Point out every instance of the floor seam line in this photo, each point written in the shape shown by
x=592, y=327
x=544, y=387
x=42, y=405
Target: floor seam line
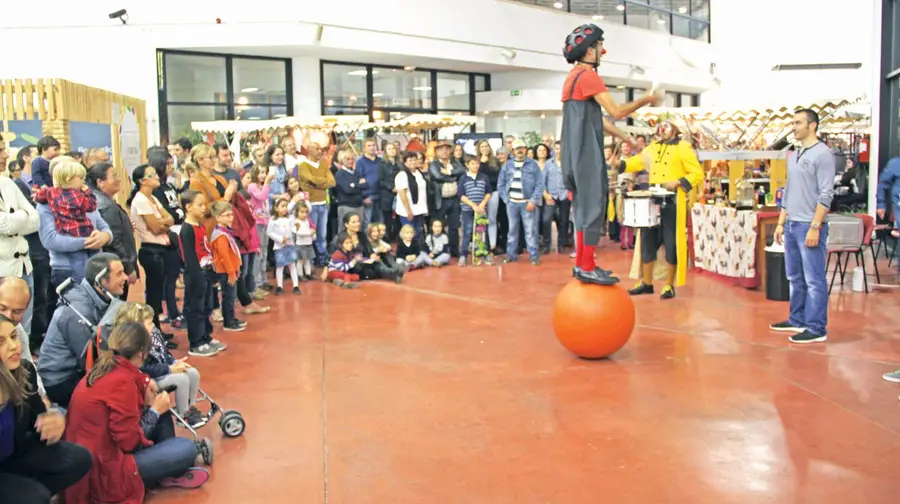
x=324, y=408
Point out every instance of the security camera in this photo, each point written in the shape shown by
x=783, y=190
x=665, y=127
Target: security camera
x=121, y=15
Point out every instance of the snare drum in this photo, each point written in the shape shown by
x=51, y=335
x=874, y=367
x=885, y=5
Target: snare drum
x=641, y=212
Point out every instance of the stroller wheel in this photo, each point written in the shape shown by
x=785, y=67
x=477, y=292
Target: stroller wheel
x=206, y=451
x=232, y=423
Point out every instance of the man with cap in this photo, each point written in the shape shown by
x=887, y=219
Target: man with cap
x=445, y=173
x=521, y=187
x=585, y=97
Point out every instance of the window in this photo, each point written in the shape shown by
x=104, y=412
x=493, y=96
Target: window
x=647, y=18
x=656, y=15
x=397, y=88
x=214, y=87
x=344, y=85
x=385, y=93
x=671, y=100
x=259, y=81
x=180, y=117
x=195, y=79
x=453, y=91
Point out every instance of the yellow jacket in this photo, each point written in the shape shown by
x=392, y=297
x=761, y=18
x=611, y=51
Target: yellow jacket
x=672, y=162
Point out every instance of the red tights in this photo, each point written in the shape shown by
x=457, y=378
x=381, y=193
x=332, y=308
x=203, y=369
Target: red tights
x=584, y=254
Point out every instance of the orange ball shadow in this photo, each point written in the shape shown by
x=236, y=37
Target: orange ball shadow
x=593, y=321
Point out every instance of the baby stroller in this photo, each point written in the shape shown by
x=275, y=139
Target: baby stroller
x=230, y=421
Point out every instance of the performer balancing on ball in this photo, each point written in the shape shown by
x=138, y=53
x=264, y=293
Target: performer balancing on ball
x=673, y=165
x=583, y=164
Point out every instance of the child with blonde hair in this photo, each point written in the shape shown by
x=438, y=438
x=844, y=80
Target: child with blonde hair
x=304, y=236
x=70, y=200
x=162, y=366
x=409, y=254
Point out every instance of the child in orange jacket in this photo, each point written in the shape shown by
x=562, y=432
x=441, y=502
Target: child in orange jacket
x=226, y=262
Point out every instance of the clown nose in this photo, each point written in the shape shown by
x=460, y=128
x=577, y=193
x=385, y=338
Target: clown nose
x=602, y=52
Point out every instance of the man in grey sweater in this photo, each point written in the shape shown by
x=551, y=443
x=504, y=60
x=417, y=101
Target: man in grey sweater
x=803, y=228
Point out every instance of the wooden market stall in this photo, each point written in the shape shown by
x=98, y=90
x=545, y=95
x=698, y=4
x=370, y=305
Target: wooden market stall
x=80, y=117
x=736, y=213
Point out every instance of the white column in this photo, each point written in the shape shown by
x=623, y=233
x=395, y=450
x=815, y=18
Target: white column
x=307, y=86
x=875, y=100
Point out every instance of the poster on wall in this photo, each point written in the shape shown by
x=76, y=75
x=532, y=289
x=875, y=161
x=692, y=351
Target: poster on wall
x=129, y=138
x=18, y=134
x=85, y=136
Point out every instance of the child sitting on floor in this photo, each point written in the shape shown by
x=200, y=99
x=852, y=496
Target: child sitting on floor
x=379, y=246
x=69, y=200
x=408, y=252
x=163, y=367
x=437, y=245
x=341, y=263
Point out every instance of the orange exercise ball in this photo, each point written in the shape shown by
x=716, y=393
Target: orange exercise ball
x=593, y=321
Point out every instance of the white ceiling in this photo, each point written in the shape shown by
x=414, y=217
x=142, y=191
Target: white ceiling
x=343, y=55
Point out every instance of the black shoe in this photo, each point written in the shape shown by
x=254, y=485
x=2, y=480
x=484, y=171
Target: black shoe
x=596, y=277
x=786, y=326
x=171, y=345
x=278, y=291
x=576, y=269
x=167, y=335
x=807, y=337
x=641, y=289
x=296, y=290
x=668, y=292
x=535, y=262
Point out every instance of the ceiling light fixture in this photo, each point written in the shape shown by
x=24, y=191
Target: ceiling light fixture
x=409, y=68
x=661, y=21
x=620, y=7
x=422, y=88
x=249, y=90
x=597, y=17
x=682, y=10
x=329, y=103
x=243, y=100
x=361, y=72
x=558, y=5
x=376, y=95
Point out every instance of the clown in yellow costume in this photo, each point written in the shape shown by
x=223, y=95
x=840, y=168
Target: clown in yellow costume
x=672, y=164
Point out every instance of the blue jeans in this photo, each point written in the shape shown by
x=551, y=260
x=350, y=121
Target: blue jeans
x=169, y=457
x=518, y=215
x=319, y=216
x=806, y=272
x=229, y=293
x=29, y=311
x=247, y=269
x=416, y=223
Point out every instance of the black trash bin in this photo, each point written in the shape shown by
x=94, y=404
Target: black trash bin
x=777, y=286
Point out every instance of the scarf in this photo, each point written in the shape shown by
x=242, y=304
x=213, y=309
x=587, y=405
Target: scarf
x=413, y=186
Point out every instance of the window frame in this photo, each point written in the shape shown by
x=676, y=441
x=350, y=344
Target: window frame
x=230, y=103
x=370, y=107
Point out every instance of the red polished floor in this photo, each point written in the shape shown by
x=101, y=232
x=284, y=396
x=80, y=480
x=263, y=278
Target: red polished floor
x=451, y=388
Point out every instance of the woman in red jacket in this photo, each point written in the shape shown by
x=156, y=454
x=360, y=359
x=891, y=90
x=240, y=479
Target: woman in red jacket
x=132, y=446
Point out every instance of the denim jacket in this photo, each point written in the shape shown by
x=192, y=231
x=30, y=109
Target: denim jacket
x=888, y=197
x=532, y=181
x=553, y=181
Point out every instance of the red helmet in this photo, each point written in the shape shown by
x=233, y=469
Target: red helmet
x=580, y=40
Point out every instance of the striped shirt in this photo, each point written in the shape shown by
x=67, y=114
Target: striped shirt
x=516, y=194
x=475, y=188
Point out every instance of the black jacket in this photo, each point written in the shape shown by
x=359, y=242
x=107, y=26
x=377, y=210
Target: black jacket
x=386, y=174
x=119, y=222
x=27, y=413
x=347, y=190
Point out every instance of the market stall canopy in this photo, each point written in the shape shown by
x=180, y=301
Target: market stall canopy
x=770, y=112
x=417, y=122
x=339, y=123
